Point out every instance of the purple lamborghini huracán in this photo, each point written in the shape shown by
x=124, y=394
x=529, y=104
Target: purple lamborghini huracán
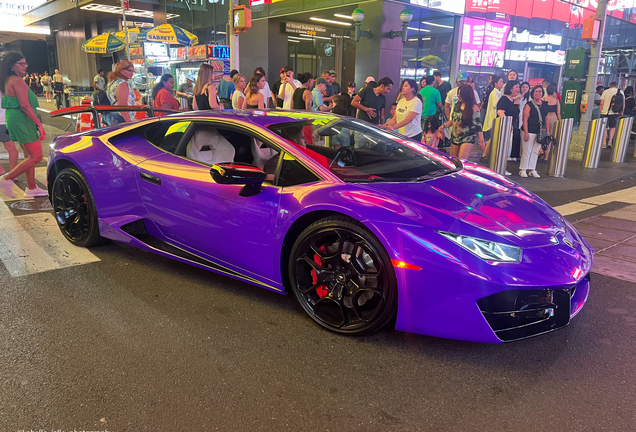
x=361, y=224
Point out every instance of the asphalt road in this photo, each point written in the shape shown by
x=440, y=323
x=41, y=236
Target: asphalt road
x=136, y=342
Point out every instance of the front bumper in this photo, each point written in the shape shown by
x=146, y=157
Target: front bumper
x=443, y=298
x=518, y=314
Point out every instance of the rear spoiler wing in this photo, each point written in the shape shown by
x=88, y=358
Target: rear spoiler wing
x=97, y=109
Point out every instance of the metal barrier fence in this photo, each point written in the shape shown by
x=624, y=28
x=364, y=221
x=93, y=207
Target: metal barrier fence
x=594, y=143
x=623, y=134
x=500, y=144
x=559, y=154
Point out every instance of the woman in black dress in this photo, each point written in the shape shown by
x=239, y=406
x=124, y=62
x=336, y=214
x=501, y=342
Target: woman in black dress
x=506, y=107
x=205, y=94
x=302, y=98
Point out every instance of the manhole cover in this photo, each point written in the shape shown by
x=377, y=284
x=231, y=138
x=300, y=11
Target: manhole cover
x=41, y=204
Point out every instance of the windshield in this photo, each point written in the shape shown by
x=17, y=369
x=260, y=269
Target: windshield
x=359, y=152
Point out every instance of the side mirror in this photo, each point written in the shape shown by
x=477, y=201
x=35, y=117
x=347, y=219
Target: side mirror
x=239, y=174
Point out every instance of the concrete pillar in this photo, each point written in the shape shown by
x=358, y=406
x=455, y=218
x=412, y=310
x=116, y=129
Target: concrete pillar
x=159, y=13
x=380, y=56
x=269, y=52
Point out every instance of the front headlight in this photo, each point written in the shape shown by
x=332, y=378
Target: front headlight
x=484, y=249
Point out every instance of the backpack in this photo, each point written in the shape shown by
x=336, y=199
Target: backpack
x=617, y=103
x=102, y=98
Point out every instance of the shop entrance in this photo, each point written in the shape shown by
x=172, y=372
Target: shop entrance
x=315, y=54
x=537, y=72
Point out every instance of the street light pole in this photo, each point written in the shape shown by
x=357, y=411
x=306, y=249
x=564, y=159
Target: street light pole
x=592, y=69
x=123, y=13
x=233, y=38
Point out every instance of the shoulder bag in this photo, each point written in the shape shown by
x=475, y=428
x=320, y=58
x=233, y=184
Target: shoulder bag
x=542, y=135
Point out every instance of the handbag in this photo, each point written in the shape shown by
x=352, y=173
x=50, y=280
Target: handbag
x=542, y=135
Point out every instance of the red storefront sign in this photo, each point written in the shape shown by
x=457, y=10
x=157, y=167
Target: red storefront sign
x=198, y=52
x=547, y=9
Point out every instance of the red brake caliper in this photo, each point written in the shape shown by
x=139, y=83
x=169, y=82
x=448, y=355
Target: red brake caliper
x=322, y=290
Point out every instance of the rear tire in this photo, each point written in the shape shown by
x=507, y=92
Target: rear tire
x=74, y=208
x=342, y=277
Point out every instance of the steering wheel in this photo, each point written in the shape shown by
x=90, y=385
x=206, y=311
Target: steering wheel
x=342, y=153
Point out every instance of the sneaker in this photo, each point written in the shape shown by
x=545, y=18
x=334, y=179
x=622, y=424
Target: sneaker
x=534, y=174
x=483, y=159
x=37, y=192
x=6, y=186
x=523, y=173
x=511, y=159
x=508, y=173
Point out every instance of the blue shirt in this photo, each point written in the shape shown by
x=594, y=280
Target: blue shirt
x=317, y=96
x=226, y=89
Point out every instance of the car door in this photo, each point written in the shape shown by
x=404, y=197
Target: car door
x=210, y=219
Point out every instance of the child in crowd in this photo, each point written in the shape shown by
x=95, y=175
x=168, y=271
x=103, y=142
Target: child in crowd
x=431, y=133
x=392, y=112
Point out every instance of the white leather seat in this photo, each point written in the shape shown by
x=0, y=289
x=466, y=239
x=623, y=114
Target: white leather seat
x=261, y=153
x=210, y=147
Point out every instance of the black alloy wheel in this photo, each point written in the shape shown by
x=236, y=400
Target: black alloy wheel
x=74, y=208
x=342, y=277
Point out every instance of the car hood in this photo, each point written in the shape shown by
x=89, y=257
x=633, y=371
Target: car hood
x=485, y=200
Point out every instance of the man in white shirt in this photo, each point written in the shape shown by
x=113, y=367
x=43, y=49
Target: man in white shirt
x=612, y=113
x=99, y=82
x=288, y=87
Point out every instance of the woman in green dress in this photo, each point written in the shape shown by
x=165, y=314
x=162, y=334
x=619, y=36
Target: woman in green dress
x=22, y=122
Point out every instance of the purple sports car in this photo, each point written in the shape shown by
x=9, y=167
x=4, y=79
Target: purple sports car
x=362, y=225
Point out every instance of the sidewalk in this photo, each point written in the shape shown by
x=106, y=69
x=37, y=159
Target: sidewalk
x=576, y=177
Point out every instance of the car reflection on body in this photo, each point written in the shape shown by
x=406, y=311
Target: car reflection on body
x=380, y=229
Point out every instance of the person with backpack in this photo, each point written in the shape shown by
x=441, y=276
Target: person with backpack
x=612, y=106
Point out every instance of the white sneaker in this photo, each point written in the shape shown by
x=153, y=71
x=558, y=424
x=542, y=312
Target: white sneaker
x=6, y=186
x=511, y=159
x=534, y=174
x=37, y=192
x=523, y=173
x=508, y=173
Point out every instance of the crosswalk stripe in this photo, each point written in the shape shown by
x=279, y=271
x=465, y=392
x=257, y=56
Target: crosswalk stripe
x=40, y=175
x=33, y=243
x=627, y=196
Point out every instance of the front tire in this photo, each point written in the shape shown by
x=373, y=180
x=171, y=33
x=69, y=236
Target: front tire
x=342, y=277
x=74, y=208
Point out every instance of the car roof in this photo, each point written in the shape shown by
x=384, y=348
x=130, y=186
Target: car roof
x=263, y=118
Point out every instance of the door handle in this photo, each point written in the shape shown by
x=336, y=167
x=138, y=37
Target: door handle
x=150, y=178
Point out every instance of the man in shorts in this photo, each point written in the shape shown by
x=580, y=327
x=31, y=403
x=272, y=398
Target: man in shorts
x=609, y=111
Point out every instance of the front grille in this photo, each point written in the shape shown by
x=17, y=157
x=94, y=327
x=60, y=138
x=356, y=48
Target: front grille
x=519, y=314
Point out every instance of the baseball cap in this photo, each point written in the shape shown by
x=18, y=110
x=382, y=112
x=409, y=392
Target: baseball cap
x=321, y=81
x=369, y=79
x=191, y=77
x=351, y=84
x=332, y=73
x=462, y=75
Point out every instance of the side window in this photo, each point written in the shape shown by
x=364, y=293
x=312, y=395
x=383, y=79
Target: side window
x=164, y=134
x=167, y=134
x=209, y=146
x=294, y=173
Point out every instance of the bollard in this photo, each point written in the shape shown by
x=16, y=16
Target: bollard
x=559, y=154
x=623, y=134
x=594, y=143
x=500, y=143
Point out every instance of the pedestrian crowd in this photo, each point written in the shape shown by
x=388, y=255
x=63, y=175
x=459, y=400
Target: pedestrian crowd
x=433, y=112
